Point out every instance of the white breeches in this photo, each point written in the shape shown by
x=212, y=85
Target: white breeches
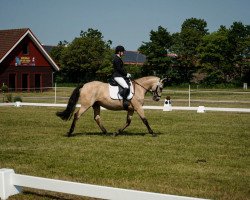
x=121, y=82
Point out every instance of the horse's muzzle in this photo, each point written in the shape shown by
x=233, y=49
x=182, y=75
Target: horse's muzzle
x=156, y=98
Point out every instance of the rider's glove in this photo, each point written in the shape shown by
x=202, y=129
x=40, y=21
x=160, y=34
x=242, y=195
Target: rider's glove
x=128, y=75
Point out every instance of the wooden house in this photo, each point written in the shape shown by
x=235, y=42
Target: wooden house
x=24, y=63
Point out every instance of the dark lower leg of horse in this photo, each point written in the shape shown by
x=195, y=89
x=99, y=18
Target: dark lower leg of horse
x=122, y=129
x=129, y=117
x=145, y=121
x=71, y=130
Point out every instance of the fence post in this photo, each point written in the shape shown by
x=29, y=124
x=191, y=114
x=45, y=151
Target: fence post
x=244, y=86
x=189, y=96
x=55, y=93
x=6, y=186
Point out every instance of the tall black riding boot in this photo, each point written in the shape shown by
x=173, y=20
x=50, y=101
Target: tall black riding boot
x=125, y=100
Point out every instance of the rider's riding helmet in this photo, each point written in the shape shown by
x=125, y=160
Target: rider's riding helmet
x=119, y=49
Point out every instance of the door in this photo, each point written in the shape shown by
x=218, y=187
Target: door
x=37, y=81
x=25, y=83
x=12, y=82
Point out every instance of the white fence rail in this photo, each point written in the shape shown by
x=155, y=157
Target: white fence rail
x=245, y=110
x=12, y=183
x=185, y=96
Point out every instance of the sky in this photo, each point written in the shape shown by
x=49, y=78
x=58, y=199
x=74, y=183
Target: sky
x=124, y=22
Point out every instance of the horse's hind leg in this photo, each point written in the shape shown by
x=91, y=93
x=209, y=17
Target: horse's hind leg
x=97, y=117
x=73, y=125
x=77, y=115
x=129, y=117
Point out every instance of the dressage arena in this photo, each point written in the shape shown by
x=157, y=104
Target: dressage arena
x=202, y=155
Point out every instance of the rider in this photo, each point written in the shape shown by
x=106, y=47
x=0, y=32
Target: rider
x=120, y=74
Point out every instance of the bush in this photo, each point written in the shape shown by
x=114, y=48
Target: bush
x=9, y=97
x=18, y=98
x=4, y=88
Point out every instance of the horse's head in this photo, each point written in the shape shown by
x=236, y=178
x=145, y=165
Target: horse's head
x=157, y=89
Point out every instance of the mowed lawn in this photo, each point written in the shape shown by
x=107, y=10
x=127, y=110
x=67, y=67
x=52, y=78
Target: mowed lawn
x=198, y=155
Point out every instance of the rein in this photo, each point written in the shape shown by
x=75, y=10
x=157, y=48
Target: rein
x=152, y=92
x=142, y=86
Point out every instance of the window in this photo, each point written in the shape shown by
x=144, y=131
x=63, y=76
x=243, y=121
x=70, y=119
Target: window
x=25, y=49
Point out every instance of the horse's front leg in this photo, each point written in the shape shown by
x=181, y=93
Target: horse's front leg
x=129, y=117
x=140, y=112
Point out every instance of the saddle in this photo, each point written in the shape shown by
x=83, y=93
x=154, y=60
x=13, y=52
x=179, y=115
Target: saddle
x=115, y=90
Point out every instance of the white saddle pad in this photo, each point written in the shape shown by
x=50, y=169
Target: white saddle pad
x=113, y=92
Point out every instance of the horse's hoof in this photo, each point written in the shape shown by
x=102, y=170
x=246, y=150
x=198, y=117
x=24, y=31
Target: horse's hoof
x=115, y=134
x=69, y=134
x=105, y=133
x=154, y=135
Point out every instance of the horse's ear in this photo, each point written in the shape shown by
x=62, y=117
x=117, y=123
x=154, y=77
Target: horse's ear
x=164, y=80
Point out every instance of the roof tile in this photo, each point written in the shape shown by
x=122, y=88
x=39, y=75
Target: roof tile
x=8, y=39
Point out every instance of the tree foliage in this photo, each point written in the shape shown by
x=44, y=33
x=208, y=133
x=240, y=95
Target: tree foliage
x=203, y=57
x=186, y=43
x=219, y=57
x=223, y=54
x=156, y=51
x=213, y=54
x=85, y=58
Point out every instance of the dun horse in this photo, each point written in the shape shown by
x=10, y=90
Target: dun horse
x=96, y=94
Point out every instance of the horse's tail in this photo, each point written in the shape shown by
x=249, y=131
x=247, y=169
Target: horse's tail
x=67, y=113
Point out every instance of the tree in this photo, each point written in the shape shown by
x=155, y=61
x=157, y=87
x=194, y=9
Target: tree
x=86, y=57
x=186, y=43
x=239, y=38
x=56, y=54
x=223, y=54
x=156, y=52
x=214, y=56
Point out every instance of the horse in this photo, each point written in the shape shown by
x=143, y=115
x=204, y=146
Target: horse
x=96, y=94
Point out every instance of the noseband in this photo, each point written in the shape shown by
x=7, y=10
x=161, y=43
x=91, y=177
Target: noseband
x=155, y=93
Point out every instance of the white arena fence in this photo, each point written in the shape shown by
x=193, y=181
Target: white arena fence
x=188, y=96
x=12, y=183
x=244, y=110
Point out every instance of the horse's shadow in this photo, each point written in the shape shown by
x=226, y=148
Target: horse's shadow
x=45, y=195
x=86, y=134
x=115, y=134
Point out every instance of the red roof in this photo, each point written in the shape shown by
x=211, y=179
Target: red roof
x=8, y=38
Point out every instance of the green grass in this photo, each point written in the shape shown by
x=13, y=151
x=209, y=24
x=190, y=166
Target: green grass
x=199, y=155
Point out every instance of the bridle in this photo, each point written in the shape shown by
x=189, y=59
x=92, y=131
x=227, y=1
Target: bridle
x=154, y=92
